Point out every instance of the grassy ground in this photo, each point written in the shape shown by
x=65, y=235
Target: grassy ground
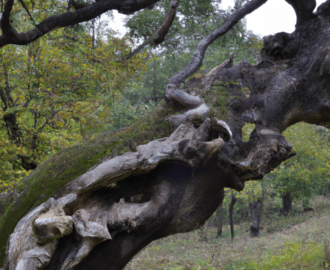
x=298, y=241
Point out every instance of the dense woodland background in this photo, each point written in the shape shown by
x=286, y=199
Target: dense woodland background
x=74, y=85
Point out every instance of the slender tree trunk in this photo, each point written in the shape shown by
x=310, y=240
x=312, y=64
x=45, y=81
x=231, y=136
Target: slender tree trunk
x=93, y=40
x=13, y=130
x=287, y=204
x=231, y=209
x=219, y=220
x=255, y=212
x=155, y=84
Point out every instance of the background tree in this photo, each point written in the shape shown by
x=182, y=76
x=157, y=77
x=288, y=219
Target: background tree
x=188, y=28
x=307, y=174
x=141, y=196
x=57, y=92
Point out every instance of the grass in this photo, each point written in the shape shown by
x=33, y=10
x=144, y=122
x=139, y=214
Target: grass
x=301, y=241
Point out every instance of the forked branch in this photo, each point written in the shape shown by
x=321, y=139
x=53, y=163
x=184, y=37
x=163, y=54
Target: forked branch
x=197, y=60
x=173, y=92
x=303, y=8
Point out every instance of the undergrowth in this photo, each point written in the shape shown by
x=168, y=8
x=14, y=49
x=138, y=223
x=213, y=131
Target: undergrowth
x=300, y=242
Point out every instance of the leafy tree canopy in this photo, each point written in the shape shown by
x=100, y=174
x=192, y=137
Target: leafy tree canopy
x=57, y=92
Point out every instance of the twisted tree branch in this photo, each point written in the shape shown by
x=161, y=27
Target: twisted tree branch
x=172, y=89
x=197, y=60
x=11, y=36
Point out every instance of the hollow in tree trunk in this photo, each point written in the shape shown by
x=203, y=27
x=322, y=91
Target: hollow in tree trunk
x=177, y=182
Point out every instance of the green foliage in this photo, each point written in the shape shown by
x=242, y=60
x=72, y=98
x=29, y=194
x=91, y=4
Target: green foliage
x=191, y=17
x=217, y=98
x=63, y=89
x=57, y=92
x=303, y=176
x=195, y=19
x=145, y=23
x=294, y=255
x=302, y=245
x=307, y=173
x=70, y=163
x=246, y=131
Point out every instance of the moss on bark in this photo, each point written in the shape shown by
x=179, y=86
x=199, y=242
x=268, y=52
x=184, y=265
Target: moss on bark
x=71, y=162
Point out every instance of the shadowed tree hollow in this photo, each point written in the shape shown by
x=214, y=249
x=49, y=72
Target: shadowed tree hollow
x=107, y=214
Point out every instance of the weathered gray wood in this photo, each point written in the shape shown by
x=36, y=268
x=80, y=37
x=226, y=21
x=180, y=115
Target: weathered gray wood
x=174, y=184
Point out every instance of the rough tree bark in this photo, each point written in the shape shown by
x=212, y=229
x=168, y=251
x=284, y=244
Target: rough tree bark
x=104, y=217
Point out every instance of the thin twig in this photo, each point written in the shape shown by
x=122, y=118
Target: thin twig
x=28, y=12
x=162, y=31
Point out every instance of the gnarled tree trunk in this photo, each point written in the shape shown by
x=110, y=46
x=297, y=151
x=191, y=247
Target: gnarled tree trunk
x=104, y=217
